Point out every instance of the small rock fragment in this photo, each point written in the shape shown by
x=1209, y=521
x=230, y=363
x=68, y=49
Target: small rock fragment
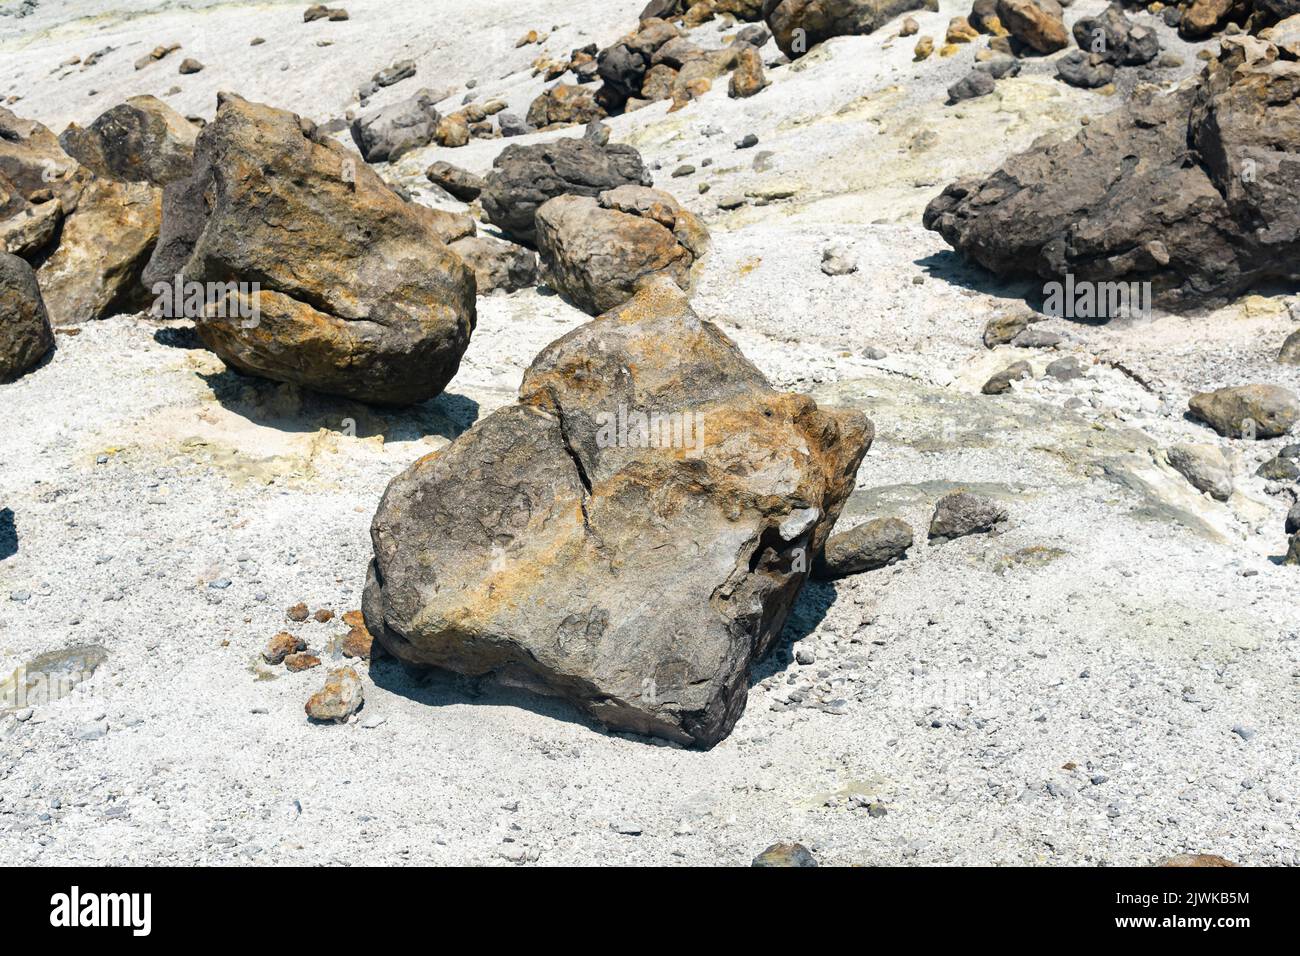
x=339, y=699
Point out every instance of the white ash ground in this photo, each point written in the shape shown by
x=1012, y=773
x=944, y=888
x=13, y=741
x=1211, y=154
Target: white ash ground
x=1122, y=623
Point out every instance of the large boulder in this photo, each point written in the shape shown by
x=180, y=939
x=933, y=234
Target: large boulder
x=141, y=140
x=799, y=24
x=25, y=334
x=103, y=249
x=523, y=178
x=1119, y=205
x=598, y=251
x=383, y=135
x=350, y=289
x=630, y=536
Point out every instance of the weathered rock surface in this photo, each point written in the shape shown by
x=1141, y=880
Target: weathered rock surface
x=103, y=249
x=1247, y=411
x=1120, y=204
x=359, y=298
x=962, y=513
x=798, y=25
x=564, y=105
x=598, y=251
x=1087, y=71
x=141, y=140
x=523, y=178
x=498, y=265
x=25, y=333
x=785, y=854
x=559, y=548
x=39, y=183
x=866, y=547
x=387, y=133
x=1116, y=38
x=1204, y=467
x=975, y=84
x=1000, y=383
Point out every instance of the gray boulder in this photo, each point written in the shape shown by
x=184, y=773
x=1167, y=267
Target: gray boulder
x=459, y=183
x=1088, y=71
x=1000, y=383
x=637, y=566
x=141, y=140
x=798, y=25
x=523, y=178
x=498, y=266
x=25, y=333
x=1116, y=39
x=1247, y=411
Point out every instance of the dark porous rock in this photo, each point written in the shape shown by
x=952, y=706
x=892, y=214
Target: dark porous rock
x=755, y=35
x=25, y=333
x=1088, y=71
x=630, y=536
x=598, y=251
x=356, y=293
x=525, y=177
x=974, y=84
x=1293, y=551
x=1115, y=38
x=1039, y=24
x=872, y=545
x=385, y=134
x=624, y=64
x=459, y=183
x=1000, y=383
x=511, y=125
x=141, y=140
x=564, y=105
x=785, y=854
x=961, y=513
x=1293, y=519
x=498, y=266
x=1120, y=206
x=798, y=25
x=1247, y=411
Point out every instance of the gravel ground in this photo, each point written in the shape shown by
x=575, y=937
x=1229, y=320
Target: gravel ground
x=1111, y=680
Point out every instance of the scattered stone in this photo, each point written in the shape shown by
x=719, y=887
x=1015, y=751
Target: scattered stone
x=25, y=333
x=629, y=595
x=975, y=84
x=523, y=178
x=386, y=134
x=1247, y=411
x=301, y=662
x=452, y=131
x=1293, y=519
x=92, y=731
x=564, y=105
x=1245, y=733
x=1195, y=860
x=321, y=12
x=1004, y=327
x=298, y=613
x=1000, y=383
x=281, y=646
x=1065, y=369
x=747, y=78
x=1038, y=23
x=1279, y=469
x=960, y=31
x=598, y=251
x=323, y=616
x=748, y=141
x=866, y=547
x=999, y=65
x=839, y=260
x=1205, y=468
x=626, y=827
x=1289, y=354
x=402, y=70
x=785, y=854
x=357, y=642
x=961, y=513
x=339, y=699
x=1037, y=339
x=924, y=47
x=1088, y=71
x=1115, y=38
x=909, y=28
x=499, y=266
x=190, y=65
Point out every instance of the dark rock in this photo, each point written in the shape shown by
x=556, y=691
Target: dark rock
x=498, y=265
x=460, y=183
x=785, y=854
x=1088, y=71
x=1065, y=369
x=798, y=25
x=141, y=140
x=385, y=134
x=1000, y=383
x=525, y=177
x=1116, y=39
x=402, y=70
x=25, y=333
x=974, y=84
x=1278, y=469
x=1000, y=66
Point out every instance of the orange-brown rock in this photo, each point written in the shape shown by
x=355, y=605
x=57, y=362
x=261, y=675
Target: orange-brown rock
x=357, y=642
x=323, y=616
x=339, y=699
x=630, y=536
x=281, y=646
x=1038, y=23
x=1196, y=860
x=564, y=105
x=301, y=661
x=1203, y=17
x=299, y=613
x=747, y=79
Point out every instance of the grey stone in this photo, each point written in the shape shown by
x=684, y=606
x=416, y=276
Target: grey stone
x=1205, y=467
x=866, y=547
x=499, y=266
x=975, y=84
x=1000, y=383
x=961, y=513
x=385, y=134
x=1247, y=411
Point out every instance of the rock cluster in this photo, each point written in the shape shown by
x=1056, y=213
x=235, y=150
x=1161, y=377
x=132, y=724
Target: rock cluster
x=1120, y=205
x=630, y=536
